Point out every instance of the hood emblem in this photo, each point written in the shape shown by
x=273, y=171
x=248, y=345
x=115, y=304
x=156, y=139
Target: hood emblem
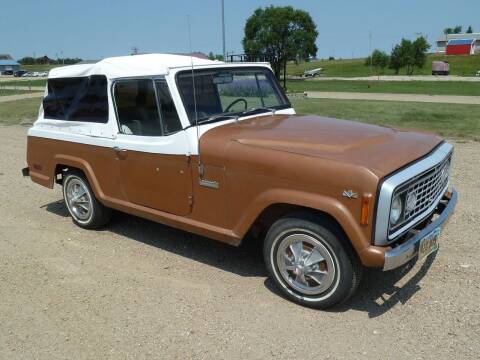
x=350, y=194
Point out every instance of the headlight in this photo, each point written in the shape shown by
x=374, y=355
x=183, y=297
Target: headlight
x=396, y=210
x=411, y=201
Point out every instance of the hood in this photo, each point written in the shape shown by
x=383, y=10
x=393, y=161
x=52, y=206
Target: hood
x=380, y=149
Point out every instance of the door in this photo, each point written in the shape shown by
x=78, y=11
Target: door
x=151, y=147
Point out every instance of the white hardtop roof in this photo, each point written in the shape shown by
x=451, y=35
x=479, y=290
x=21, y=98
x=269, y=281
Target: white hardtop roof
x=135, y=65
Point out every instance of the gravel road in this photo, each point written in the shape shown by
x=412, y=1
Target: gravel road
x=140, y=290
x=442, y=99
x=395, y=78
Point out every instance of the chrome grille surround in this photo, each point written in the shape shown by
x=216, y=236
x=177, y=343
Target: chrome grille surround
x=424, y=176
x=429, y=188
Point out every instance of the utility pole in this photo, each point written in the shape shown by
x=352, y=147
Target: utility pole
x=223, y=31
x=370, y=49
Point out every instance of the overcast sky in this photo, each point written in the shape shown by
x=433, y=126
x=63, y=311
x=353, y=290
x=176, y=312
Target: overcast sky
x=95, y=29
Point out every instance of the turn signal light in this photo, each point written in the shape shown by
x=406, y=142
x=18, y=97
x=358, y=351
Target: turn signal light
x=365, y=212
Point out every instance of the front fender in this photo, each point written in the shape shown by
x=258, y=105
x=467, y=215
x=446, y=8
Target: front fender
x=329, y=205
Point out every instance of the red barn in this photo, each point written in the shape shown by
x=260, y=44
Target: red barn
x=460, y=47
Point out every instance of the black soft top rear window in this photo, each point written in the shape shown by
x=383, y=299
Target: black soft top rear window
x=77, y=99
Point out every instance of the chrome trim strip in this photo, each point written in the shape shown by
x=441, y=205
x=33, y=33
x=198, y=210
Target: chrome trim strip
x=408, y=250
x=208, y=183
x=391, y=183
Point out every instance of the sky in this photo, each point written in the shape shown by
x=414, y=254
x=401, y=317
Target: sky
x=102, y=28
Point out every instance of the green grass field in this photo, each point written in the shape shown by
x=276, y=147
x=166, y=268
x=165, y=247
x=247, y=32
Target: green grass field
x=14, y=112
x=23, y=82
x=449, y=120
x=6, y=92
x=462, y=65
x=397, y=87
x=38, y=67
x=454, y=121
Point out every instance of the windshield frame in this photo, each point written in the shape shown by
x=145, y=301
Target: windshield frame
x=266, y=70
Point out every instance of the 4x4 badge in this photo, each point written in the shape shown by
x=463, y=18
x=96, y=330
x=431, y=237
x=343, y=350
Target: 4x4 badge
x=350, y=194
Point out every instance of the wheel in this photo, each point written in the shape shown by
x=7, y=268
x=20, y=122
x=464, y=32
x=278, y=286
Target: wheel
x=311, y=262
x=85, y=210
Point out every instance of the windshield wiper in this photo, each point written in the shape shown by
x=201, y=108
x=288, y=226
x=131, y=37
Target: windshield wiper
x=259, y=109
x=216, y=118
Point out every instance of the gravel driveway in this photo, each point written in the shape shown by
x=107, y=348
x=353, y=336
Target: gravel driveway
x=140, y=290
x=398, y=78
x=442, y=99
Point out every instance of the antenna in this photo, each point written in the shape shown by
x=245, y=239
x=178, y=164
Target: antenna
x=200, y=167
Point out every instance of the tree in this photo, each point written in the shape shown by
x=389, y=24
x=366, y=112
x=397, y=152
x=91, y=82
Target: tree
x=379, y=61
x=280, y=34
x=456, y=30
x=470, y=30
x=27, y=60
x=213, y=56
x=420, y=47
x=409, y=55
x=396, y=62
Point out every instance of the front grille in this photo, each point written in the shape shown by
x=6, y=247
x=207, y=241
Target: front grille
x=428, y=188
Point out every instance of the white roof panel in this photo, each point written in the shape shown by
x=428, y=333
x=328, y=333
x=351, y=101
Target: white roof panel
x=128, y=66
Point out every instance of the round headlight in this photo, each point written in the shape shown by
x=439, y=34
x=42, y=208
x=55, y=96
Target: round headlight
x=411, y=201
x=396, y=210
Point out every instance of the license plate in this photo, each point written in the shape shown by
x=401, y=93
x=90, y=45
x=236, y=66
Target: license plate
x=429, y=244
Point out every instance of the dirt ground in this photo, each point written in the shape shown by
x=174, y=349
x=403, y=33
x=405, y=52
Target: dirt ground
x=140, y=290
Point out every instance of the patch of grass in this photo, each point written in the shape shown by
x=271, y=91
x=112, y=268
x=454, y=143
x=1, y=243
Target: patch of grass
x=14, y=112
x=462, y=65
x=6, y=92
x=449, y=120
x=38, y=67
x=397, y=87
x=25, y=82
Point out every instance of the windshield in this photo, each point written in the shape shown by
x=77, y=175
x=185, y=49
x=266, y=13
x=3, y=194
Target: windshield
x=229, y=92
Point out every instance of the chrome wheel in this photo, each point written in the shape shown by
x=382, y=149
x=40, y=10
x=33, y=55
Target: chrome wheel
x=305, y=263
x=78, y=199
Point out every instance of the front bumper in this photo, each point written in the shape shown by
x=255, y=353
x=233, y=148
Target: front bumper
x=408, y=250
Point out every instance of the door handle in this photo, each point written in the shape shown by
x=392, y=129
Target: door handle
x=119, y=150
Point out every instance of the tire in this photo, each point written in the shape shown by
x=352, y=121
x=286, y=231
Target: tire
x=294, y=268
x=84, y=208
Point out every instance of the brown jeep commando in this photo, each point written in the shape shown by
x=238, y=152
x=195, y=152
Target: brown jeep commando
x=216, y=149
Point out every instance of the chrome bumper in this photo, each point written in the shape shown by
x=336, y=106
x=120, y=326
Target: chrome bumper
x=409, y=249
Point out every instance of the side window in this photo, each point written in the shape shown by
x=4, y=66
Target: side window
x=137, y=107
x=170, y=120
x=77, y=99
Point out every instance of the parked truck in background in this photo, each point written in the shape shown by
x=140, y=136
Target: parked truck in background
x=440, y=68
